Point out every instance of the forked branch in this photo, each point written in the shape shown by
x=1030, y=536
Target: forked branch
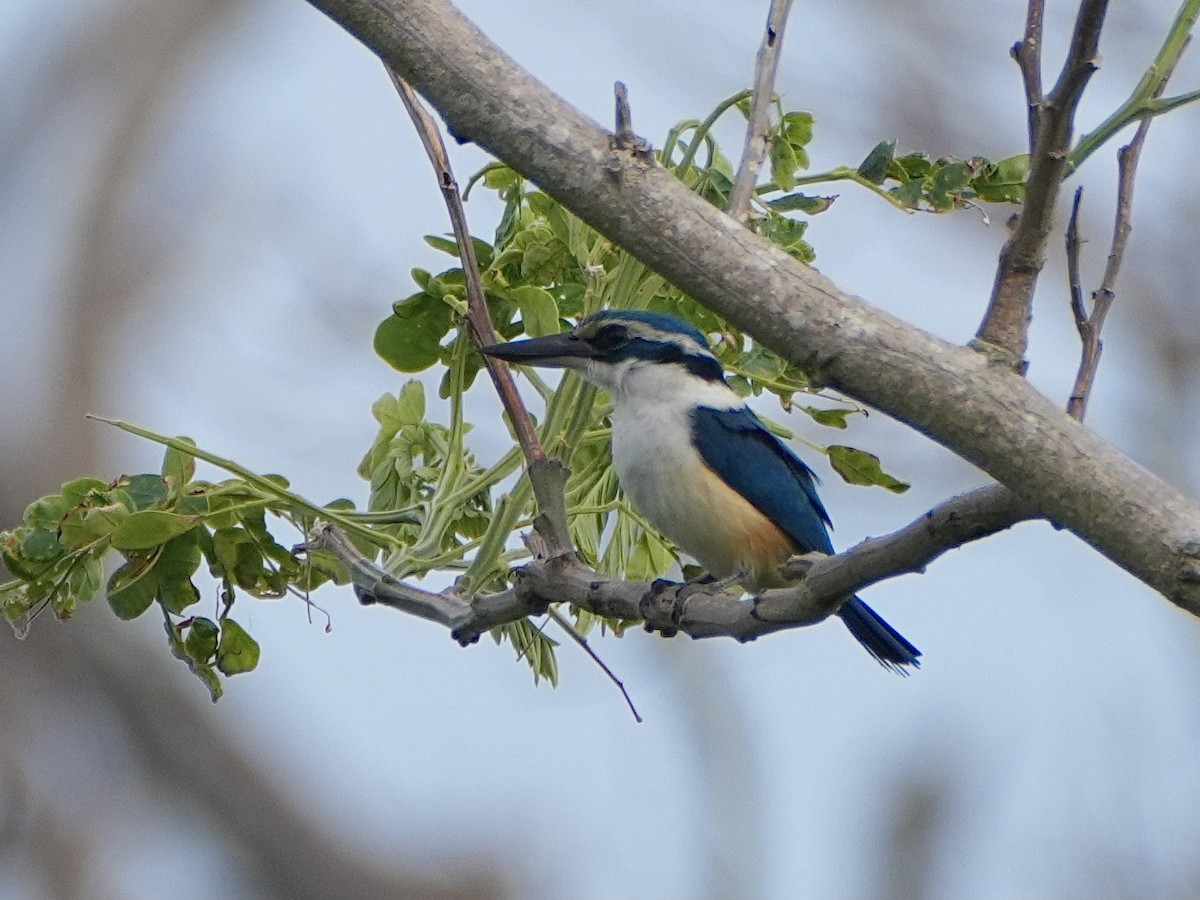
x=1005, y=327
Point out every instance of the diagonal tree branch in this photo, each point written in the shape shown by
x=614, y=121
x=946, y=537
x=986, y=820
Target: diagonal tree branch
x=545, y=474
x=984, y=413
x=1005, y=325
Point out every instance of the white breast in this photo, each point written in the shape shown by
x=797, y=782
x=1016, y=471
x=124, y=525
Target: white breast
x=668, y=483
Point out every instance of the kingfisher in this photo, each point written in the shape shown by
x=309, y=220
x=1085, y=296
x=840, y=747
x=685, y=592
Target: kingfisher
x=696, y=461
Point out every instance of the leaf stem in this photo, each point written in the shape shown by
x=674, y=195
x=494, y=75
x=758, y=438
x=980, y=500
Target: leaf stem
x=265, y=485
x=1144, y=102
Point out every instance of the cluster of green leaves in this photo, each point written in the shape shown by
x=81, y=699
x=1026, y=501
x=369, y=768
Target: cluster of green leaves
x=917, y=182
x=432, y=506
x=163, y=527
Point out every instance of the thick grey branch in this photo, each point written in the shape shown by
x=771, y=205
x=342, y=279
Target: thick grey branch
x=985, y=413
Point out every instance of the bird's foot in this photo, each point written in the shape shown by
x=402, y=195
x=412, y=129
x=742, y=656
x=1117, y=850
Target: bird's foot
x=796, y=567
x=662, y=607
x=708, y=584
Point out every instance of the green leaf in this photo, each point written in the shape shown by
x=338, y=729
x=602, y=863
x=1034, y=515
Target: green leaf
x=83, y=583
x=543, y=261
x=410, y=404
x=410, y=339
x=237, y=651
x=14, y=560
x=910, y=166
x=948, y=181
x=75, y=492
x=201, y=641
x=498, y=176
x=443, y=244
x=802, y=203
x=143, y=491
x=860, y=467
x=539, y=312
x=41, y=545
x=149, y=528
x=179, y=466
x=784, y=164
x=833, y=418
x=178, y=562
x=910, y=193
x=875, y=167
x=783, y=231
x=797, y=128
x=84, y=525
x=1003, y=181
x=132, y=587
x=46, y=512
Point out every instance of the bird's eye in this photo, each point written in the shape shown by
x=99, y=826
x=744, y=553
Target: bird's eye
x=610, y=337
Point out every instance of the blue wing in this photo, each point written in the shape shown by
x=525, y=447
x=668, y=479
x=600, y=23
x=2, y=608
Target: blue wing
x=752, y=461
x=736, y=445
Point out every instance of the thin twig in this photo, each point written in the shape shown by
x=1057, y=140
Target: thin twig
x=479, y=320
x=565, y=624
x=544, y=472
x=1091, y=325
x=1028, y=54
x=1074, y=281
x=755, y=149
x=1005, y=326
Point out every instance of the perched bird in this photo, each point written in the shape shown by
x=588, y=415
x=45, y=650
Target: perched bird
x=696, y=461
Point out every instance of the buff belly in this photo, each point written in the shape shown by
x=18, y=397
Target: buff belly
x=691, y=505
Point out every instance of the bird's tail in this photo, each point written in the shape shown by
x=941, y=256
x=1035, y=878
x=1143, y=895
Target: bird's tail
x=882, y=641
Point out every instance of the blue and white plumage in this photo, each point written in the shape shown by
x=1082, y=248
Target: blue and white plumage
x=696, y=461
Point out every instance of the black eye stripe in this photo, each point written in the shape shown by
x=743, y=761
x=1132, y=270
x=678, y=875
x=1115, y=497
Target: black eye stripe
x=609, y=337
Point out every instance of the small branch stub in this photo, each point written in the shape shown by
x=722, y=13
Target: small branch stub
x=623, y=136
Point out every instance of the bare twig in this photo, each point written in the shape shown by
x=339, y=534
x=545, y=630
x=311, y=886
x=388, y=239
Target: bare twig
x=543, y=471
x=1074, y=281
x=1090, y=326
x=1005, y=327
x=477, y=312
x=573, y=633
x=755, y=149
x=1028, y=54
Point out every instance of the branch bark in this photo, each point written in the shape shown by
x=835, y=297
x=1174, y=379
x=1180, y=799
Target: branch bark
x=985, y=413
x=755, y=148
x=1005, y=326
x=695, y=609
